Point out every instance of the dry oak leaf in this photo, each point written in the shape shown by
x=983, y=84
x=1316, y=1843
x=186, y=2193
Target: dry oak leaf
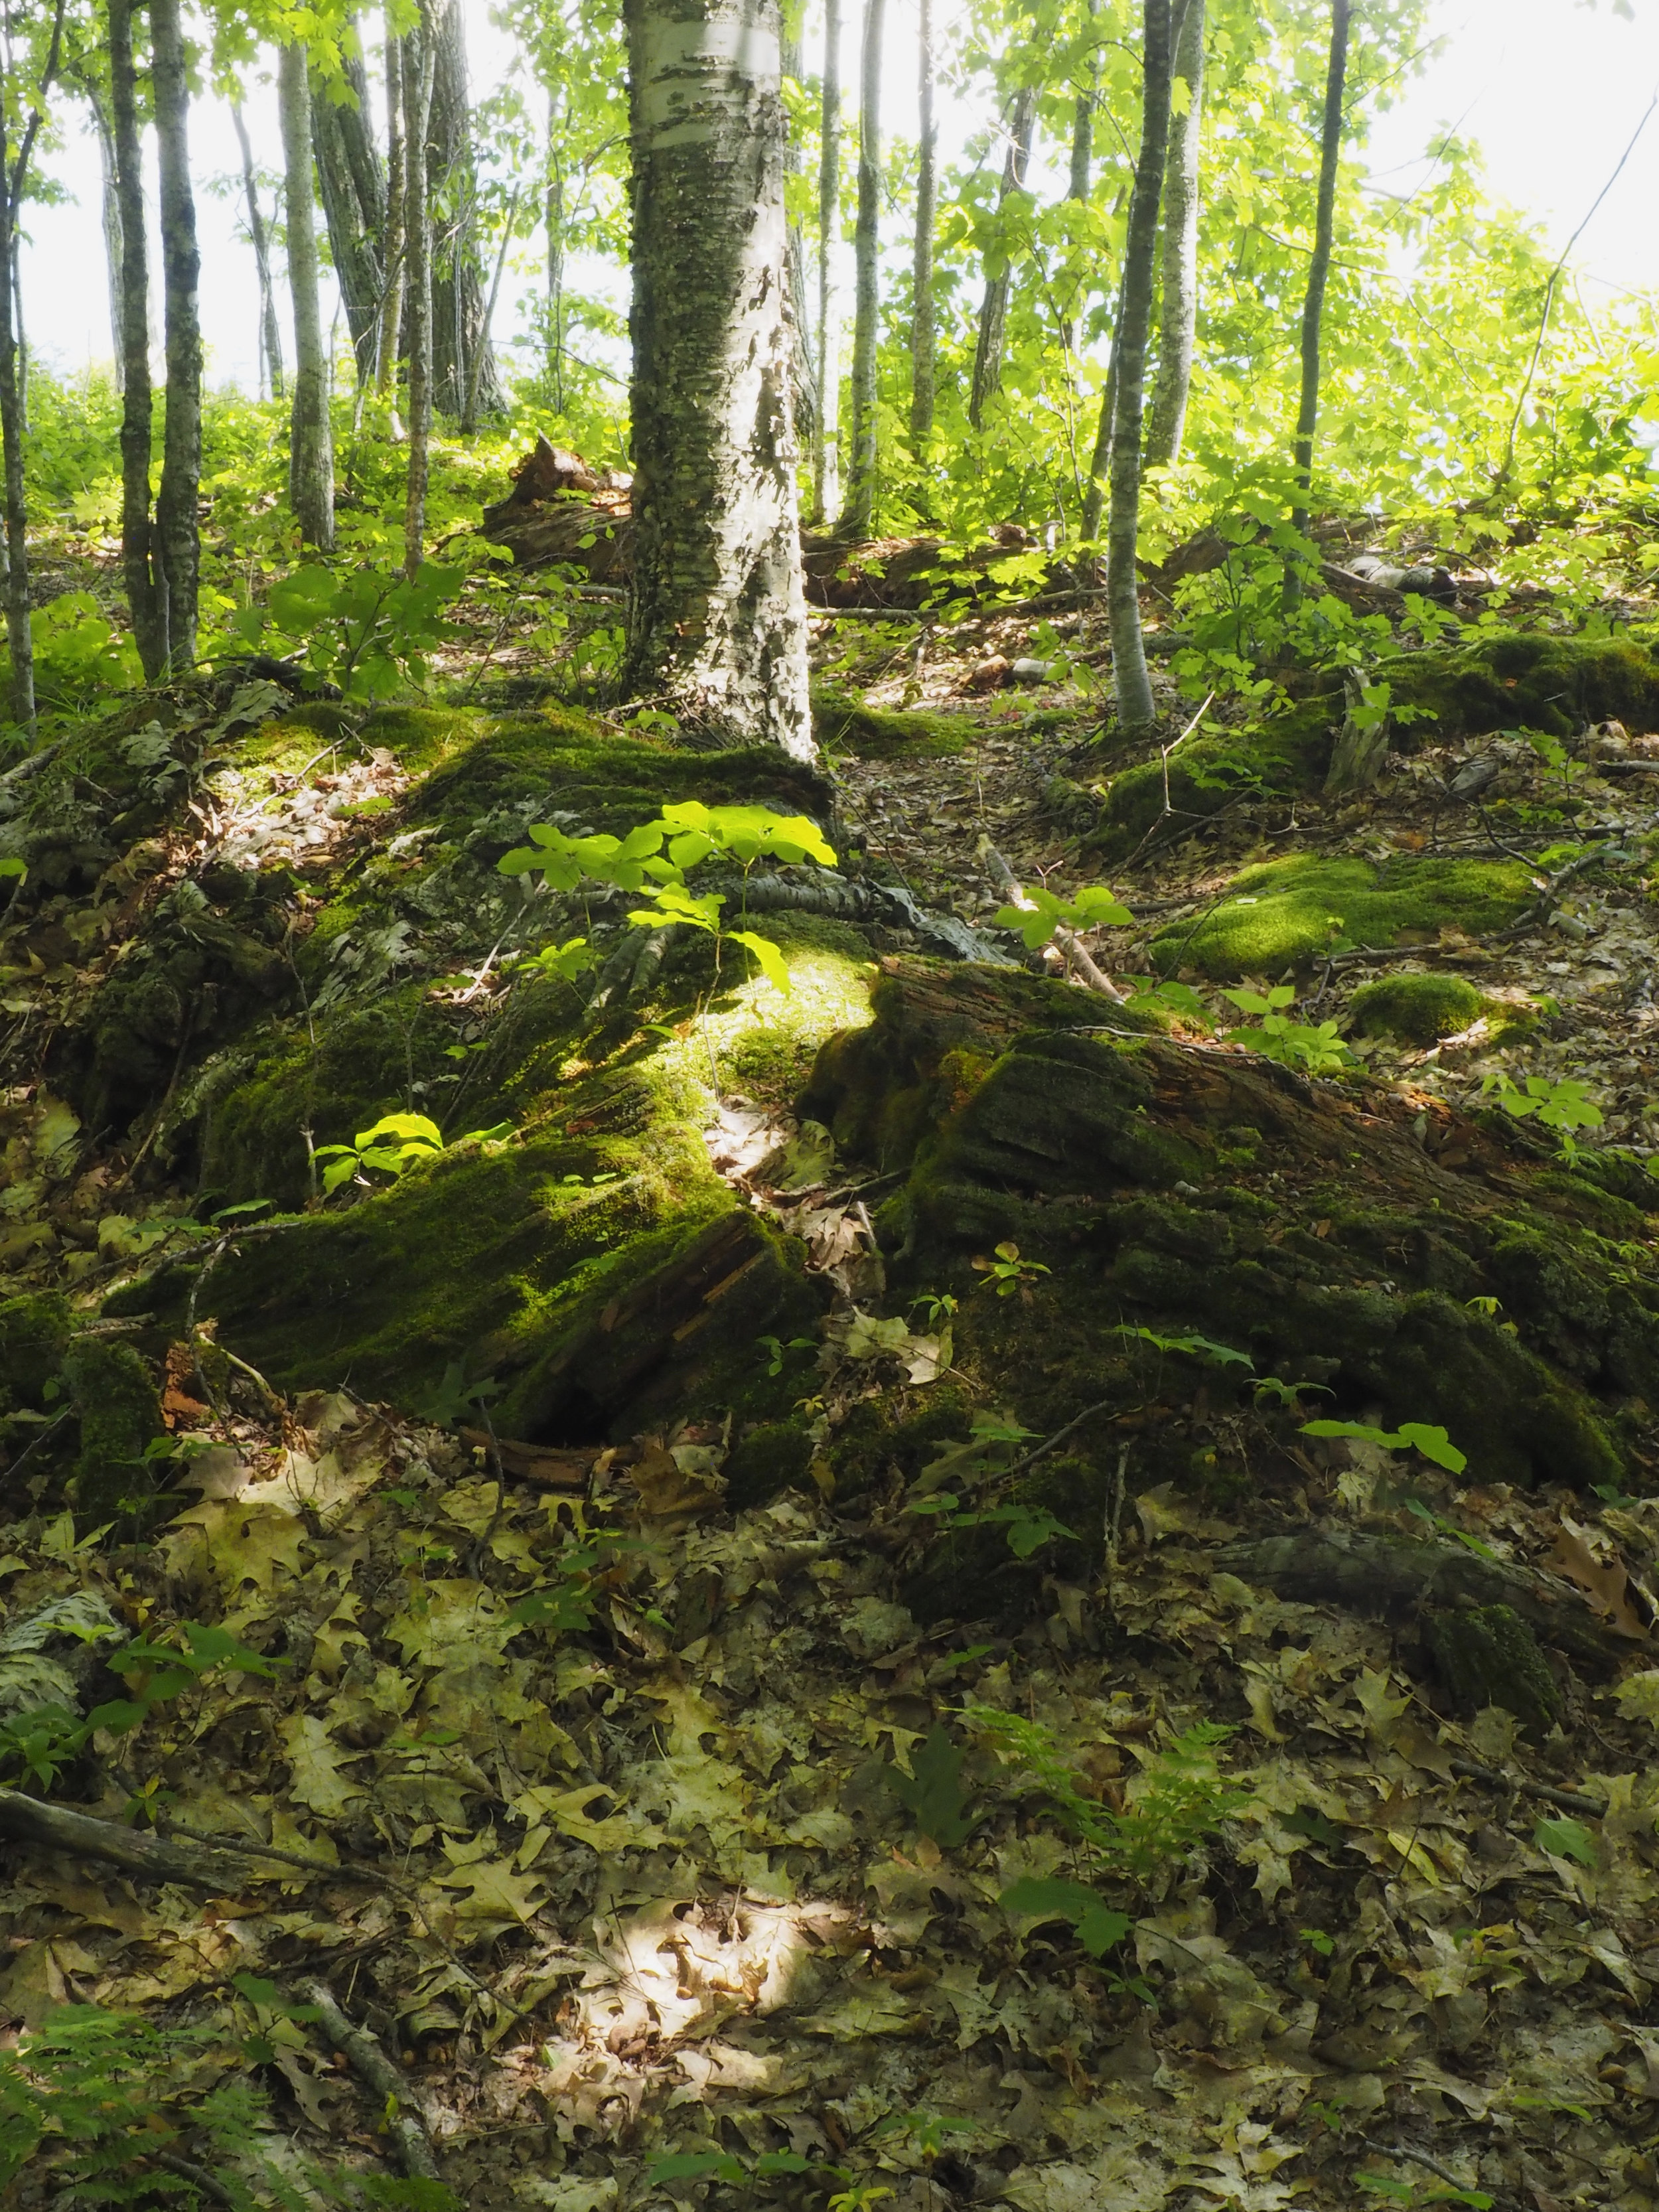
x=315, y=1761
x=1606, y=1583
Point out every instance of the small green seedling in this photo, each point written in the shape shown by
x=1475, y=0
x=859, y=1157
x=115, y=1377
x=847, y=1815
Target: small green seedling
x=1007, y=1273
x=1432, y=1443
x=1040, y=913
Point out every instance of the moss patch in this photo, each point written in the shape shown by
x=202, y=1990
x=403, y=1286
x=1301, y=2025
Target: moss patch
x=842, y=723
x=120, y=1411
x=1524, y=680
x=1417, y=1009
x=1287, y=912
x=1289, y=753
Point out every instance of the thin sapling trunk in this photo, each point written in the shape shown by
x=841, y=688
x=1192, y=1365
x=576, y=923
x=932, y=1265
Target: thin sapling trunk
x=270, y=336
x=420, y=56
x=924, y=333
x=859, y=519
x=146, y=601
x=178, y=532
x=1178, y=316
x=993, y=307
x=826, y=452
x=1313, y=305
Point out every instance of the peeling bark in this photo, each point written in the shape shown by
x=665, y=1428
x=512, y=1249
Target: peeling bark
x=717, y=622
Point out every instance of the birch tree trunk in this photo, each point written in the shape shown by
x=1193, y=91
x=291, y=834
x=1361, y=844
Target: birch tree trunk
x=178, y=534
x=858, y=520
x=310, y=443
x=1179, y=313
x=924, y=322
x=418, y=64
x=110, y=218
x=457, y=276
x=1313, y=305
x=993, y=307
x=146, y=601
x=554, y=218
x=717, y=620
x=271, y=337
x=1135, y=709
x=826, y=453
x=396, y=249
x=803, y=381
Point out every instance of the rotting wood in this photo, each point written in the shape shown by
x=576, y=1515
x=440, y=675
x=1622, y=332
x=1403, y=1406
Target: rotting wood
x=56, y=1828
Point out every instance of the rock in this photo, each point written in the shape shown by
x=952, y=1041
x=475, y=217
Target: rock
x=1032, y=671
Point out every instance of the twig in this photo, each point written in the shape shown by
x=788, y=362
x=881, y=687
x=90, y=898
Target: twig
x=188, y=2170
x=1570, y=1801
x=372, y=2067
x=1415, y=2157
x=1042, y=1451
x=80, y=1835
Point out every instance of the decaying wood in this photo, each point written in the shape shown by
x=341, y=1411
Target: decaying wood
x=376, y=2071
x=1396, y=1574
x=56, y=1828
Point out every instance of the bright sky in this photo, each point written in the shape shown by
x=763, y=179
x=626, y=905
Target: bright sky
x=1552, y=89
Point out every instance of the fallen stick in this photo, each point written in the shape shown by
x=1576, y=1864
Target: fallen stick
x=1570, y=1801
x=80, y=1835
x=1068, y=940
x=373, y=2068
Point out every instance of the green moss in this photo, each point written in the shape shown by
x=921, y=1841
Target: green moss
x=35, y=1334
x=775, y=1455
x=1287, y=912
x=120, y=1411
x=841, y=722
x=1526, y=680
x=1487, y=1655
x=1290, y=752
x=1417, y=1008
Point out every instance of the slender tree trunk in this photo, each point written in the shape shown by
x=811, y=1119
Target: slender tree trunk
x=924, y=329
x=311, y=442
x=110, y=214
x=858, y=519
x=145, y=598
x=993, y=307
x=457, y=269
x=270, y=336
x=396, y=249
x=718, y=620
x=1100, y=467
x=354, y=205
x=475, y=373
x=1080, y=176
x=555, y=222
x=826, y=454
x=1135, y=709
x=178, y=532
x=1179, y=313
x=803, y=391
x=14, y=175
x=1313, y=305
x=420, y=55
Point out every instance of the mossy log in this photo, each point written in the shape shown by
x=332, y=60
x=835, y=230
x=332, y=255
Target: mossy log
x=1393, y=1577
x=1337, y=1234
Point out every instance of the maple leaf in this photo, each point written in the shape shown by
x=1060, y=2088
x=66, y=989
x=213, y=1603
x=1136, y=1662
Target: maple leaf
x=315, y=1761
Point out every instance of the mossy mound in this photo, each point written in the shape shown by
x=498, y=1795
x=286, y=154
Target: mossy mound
x=1525, y=679
x=1288, y=753
x=1287, y=912
x=1416, y=1009
x=120, y=1413
x=35, y=1334
x=841, y=722
x=1487, y=1655
x=1174, y=1194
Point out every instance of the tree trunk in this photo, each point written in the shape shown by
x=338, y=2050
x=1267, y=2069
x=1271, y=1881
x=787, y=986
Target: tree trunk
x=311, y=444
x=1313, y=305
x=826, y=453
x=14, y=175
x=1179, y=312
x=1094, y=497
x=178, y=532
x=993, y=307
x=1135, y=708
x=554, y=222
x=353, y=204
x=270, y=336
x=110, y=214
x=717, y=620
x=481, y=353
x=396, y=249
x=419, y=63
x=858, y=519
x=145, y=598
x=924, y=327
x=456, y=272
x=1080, y=179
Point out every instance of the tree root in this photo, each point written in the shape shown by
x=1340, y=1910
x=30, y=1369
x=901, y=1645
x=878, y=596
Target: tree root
x=1396, y=1574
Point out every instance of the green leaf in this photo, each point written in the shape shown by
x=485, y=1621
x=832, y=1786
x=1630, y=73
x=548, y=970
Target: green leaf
x=1100, y=1927
x=696, y=2165
x=1566, y=1839
x=772, y=963
x=932, y=1792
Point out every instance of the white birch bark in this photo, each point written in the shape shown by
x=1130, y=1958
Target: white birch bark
x=826, y=453
x=1178, y=316
x=718, y=620
x=311, y=445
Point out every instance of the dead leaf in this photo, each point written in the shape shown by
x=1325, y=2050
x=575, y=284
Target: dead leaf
x=1606, y=1584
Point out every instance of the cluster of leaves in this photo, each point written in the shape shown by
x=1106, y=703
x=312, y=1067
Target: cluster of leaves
x=1315, y=1048
x=393, y=1145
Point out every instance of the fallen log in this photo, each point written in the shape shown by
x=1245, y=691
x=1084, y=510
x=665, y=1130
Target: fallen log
x=70, y=1834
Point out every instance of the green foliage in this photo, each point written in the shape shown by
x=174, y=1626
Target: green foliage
x=1432, y=1443
x=1316, y=1051
x=1039, y=914
x=1567, y=1840
x=79, y=655
x=1559, y=1103
x=1006, y=1272
x=366, y=629
x=95, y=2103
x=1192, y=1347
x=393, y=1145
x=1100, y=1927
x=1182, y=1797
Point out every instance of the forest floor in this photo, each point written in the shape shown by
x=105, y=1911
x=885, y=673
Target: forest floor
x=634, y=1828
